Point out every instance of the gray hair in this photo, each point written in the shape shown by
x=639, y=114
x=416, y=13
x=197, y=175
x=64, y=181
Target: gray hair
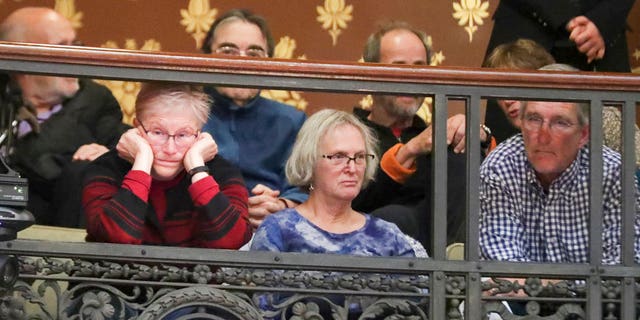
x=371, y=52
x=304, y=156
x=581, y=106
x=155, y=96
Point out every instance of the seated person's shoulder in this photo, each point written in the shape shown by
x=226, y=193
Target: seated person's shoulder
x=221, y=167
x=91, y=87
x=276, y=108
x=612, y=160
x=511, y=149
x=507, y=161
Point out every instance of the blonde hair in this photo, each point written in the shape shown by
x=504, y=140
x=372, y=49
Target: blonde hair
x=304, y=156
x=523, y=54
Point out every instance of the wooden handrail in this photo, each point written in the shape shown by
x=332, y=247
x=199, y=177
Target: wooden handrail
x=308, y=69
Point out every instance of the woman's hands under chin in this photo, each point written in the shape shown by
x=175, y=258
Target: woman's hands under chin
x=202, y=150
x=134, y=148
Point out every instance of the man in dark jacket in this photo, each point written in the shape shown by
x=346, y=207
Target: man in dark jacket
x=401, y=191
x=72, y=122
x=587, y=34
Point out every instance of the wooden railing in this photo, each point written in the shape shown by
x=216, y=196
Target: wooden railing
x=156, y=280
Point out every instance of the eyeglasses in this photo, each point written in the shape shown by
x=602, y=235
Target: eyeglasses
x=341, y=159
x=158, y=137
x=253, y=52
x=534, y=123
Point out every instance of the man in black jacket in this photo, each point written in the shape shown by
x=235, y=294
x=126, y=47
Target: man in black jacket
x=587, y=34
x=72, y=122
x=401, y=192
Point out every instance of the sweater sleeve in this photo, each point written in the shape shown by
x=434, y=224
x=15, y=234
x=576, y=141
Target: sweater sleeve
x=115, y=213
x=221, y=199
x=390, y=165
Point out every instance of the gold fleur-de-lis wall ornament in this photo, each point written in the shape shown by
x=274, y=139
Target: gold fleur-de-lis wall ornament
x=470, y=13
x=127, y=91
x=197, y=19
x=67, y=8
x=334, y=17
x=284, y=50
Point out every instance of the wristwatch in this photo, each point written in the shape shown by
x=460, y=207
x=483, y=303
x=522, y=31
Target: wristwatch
x=487, y=143
x=195, y=170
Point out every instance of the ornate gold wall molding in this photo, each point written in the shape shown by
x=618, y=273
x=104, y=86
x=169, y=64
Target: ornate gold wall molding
x=470, y=13
x=334, y=17
x=127, y=91
x=197, y=19
x=67, y=8
x=284, y=50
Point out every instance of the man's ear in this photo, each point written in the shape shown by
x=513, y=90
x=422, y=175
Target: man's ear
x=135, y=122
x=584, y=135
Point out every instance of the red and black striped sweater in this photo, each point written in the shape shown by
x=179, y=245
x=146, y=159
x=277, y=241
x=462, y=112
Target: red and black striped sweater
x=127, y=206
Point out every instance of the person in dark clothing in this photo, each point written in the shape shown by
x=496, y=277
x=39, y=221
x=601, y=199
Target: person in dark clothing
x=587, y=34
x=406, y=199
x=67, y=123
x=401, y=191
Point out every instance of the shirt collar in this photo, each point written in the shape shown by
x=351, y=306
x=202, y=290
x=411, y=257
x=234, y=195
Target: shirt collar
x=569, y=177
x=221, y=102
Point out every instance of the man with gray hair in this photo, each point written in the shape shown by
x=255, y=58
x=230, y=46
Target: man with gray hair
x=534, y=191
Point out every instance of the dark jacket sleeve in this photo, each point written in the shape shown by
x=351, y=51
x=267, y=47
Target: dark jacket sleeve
x=91, y=116
x=551, y=15
x=378, y=193
x=610, y=17
x=102, y=113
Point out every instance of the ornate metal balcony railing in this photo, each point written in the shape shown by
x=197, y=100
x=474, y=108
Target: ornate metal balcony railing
x=163, y=283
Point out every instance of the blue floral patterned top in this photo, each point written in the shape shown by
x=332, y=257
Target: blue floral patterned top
x=288, y=231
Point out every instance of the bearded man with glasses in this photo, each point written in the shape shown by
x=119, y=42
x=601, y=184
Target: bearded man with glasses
x=253, y=132
x=159, y=186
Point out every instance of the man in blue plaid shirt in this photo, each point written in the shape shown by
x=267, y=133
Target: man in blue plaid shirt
x=534, y=191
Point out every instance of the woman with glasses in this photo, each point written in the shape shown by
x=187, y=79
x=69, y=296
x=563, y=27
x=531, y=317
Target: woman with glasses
x=160, y=185
x=333, y=158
